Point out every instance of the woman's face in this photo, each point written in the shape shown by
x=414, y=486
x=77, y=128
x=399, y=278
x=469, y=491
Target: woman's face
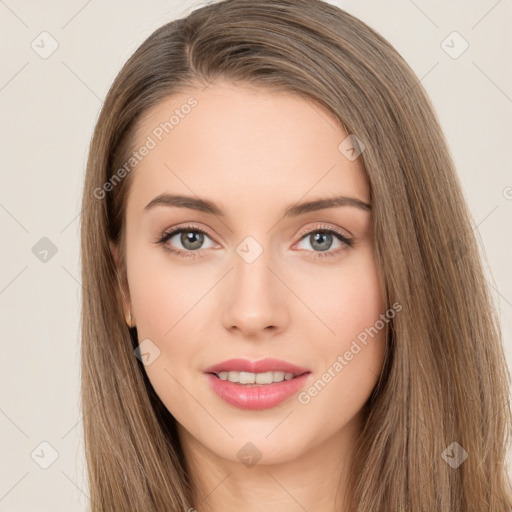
x=253, y=276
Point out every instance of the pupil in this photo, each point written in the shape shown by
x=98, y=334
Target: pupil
x=319, y=237
x=191, y=239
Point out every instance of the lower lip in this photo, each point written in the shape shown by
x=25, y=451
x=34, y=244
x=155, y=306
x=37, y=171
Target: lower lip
x=256, y=396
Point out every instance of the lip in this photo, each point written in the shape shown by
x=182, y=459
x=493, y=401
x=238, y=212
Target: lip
x=256, y=396
x=264, y=365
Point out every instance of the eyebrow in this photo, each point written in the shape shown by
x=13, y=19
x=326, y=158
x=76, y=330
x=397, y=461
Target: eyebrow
x=294, y=210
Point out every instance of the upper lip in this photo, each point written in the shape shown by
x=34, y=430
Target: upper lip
x=261, y=366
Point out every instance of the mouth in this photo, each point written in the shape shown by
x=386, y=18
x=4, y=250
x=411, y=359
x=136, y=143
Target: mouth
x=256, y=379
x=256, y=385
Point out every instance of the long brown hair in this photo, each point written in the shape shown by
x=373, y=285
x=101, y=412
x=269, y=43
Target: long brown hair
x=445, y=378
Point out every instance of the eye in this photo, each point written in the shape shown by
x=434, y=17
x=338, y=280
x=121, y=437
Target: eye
x=191, y=238
x=322, y=239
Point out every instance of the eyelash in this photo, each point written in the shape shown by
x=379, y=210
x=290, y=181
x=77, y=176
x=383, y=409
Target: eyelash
x=197, y=253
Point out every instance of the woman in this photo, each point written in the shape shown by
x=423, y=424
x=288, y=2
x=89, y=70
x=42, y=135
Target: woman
x=284, y=305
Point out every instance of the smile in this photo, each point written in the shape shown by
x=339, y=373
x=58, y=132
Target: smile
x=256, y=385
x=255, y=378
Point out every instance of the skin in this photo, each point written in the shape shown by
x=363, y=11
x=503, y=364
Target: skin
x=254, y=152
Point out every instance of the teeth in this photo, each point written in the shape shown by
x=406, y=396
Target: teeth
x=246, y=378
x=255, y=378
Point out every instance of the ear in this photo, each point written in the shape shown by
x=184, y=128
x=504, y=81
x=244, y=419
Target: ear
x=115, y=252
x=114, y=249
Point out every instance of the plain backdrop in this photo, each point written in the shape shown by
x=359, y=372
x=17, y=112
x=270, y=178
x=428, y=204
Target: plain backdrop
x=49, y=105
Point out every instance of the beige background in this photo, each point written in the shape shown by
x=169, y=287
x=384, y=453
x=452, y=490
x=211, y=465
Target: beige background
x=49, y=107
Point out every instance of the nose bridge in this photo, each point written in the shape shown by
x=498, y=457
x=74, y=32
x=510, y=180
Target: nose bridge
x=256, y=300
x=251, y=267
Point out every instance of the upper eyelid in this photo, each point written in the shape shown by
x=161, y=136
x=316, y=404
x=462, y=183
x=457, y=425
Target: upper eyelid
x=170, y=233
x=323, y=227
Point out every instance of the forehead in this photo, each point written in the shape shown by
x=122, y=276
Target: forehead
x=252, y=146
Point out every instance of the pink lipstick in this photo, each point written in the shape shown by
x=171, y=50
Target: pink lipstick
x=256, y=385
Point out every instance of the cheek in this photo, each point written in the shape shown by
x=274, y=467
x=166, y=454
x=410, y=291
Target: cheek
x=169, y=302
x=165, y=302
x=163, y=294
x=351, y=355
x=350, y=300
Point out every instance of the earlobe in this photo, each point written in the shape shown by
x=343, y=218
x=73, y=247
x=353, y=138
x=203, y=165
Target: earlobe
x=114, y=251
x=129, y=320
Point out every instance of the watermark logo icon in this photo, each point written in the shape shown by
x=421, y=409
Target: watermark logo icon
x=249, y=454
x=454, y=455
x=44, y=45
x=351, y=147
x=147, y=352
x=44, y=455
x=249, y=249
x=44, y=250
x=454, y=45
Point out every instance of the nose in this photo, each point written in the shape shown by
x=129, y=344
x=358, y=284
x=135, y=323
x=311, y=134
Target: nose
x=255, y=298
